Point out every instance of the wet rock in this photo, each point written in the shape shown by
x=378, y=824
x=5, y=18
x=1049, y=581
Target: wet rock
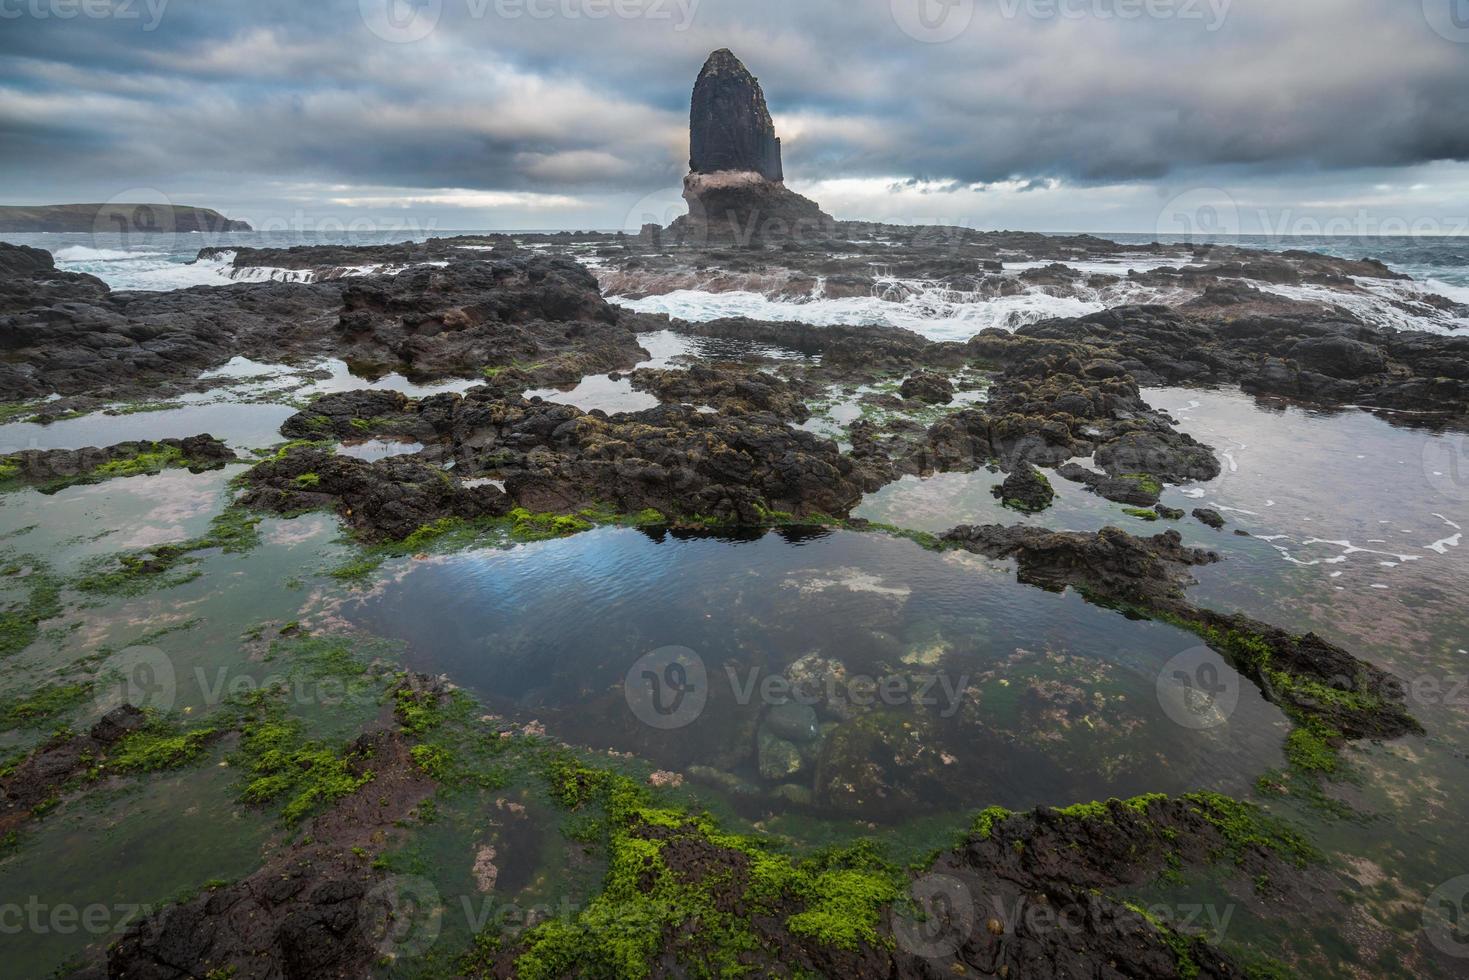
x=1339, y=357
x=64, y=467
x=118, y=722
x=349, y=415
x=1174, y=457
x=929, y=388
x=1210, y=517
x=725, y=781
x=1026, y=489
x=40, y=777
x=1168, y=513
x=820, y=680
x=778, y=759
x=1109, y=563
x=1138, y=490
x=792, y=721
x=70, y=334
x=315, y=909
x=728, y=388
x=384, y=500
x=792, y=793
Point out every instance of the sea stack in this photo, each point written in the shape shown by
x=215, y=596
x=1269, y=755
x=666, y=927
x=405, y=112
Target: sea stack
x=735, y=188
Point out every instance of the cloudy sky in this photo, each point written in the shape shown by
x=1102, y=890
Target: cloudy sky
x=1056, y=115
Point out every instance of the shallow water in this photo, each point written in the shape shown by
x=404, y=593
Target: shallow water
x=1056, y=701
x=1038, y=697
x=241, y=425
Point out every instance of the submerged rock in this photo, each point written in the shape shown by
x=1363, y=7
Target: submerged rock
x=1026, y=489
x=1210, y=517
x=796, y=722
x=778, y=758
x=927, y=387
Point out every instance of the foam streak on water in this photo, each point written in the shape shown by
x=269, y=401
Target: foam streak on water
x=938, y=314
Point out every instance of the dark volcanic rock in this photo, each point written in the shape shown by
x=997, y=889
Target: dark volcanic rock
x=197, y=453
x=745, y=209
x=387, y=499
x=1210, y=517
x=729, y=123
x=29, y=278
x=315, y=909
x=1026, y=489
x=735, y=188
x=536, y=318
x=925, y=386
x=23, y=260
x=1110, y=563
x=675, y=459
x=727, y=388
x=737, y=465
x=1135, y=490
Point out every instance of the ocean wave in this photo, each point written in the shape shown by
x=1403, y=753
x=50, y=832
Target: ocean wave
x=81, y=253
x=923, y=307
x=1400, y=304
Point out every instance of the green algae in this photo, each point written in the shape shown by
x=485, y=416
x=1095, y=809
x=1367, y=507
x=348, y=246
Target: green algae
x=44, y=705
x=160, y=745
x=234, y=531
x=20, y=623
x=833, y=899
x=149, y=459
x=282, y=764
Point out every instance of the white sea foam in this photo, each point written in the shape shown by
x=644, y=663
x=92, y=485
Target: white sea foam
x=80, y=253
x=929, y=313
x=1401, y=304
x=157, y=272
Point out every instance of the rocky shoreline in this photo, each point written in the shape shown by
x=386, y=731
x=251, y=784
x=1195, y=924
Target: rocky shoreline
x=729, y=448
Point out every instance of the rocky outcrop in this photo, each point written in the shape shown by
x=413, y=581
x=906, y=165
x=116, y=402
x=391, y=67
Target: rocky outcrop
x=29, y=279
x=387, y=499
x=729, y=124
x=728, y=388
x=315, y=909
x=745, y=209
x=57, y=468
x=735, y=188
x=536, y=319
x=739, y=465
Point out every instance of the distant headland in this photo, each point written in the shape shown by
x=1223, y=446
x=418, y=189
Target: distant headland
x=120, y=218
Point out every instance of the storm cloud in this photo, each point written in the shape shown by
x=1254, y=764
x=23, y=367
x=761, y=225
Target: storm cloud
x=571, y=109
